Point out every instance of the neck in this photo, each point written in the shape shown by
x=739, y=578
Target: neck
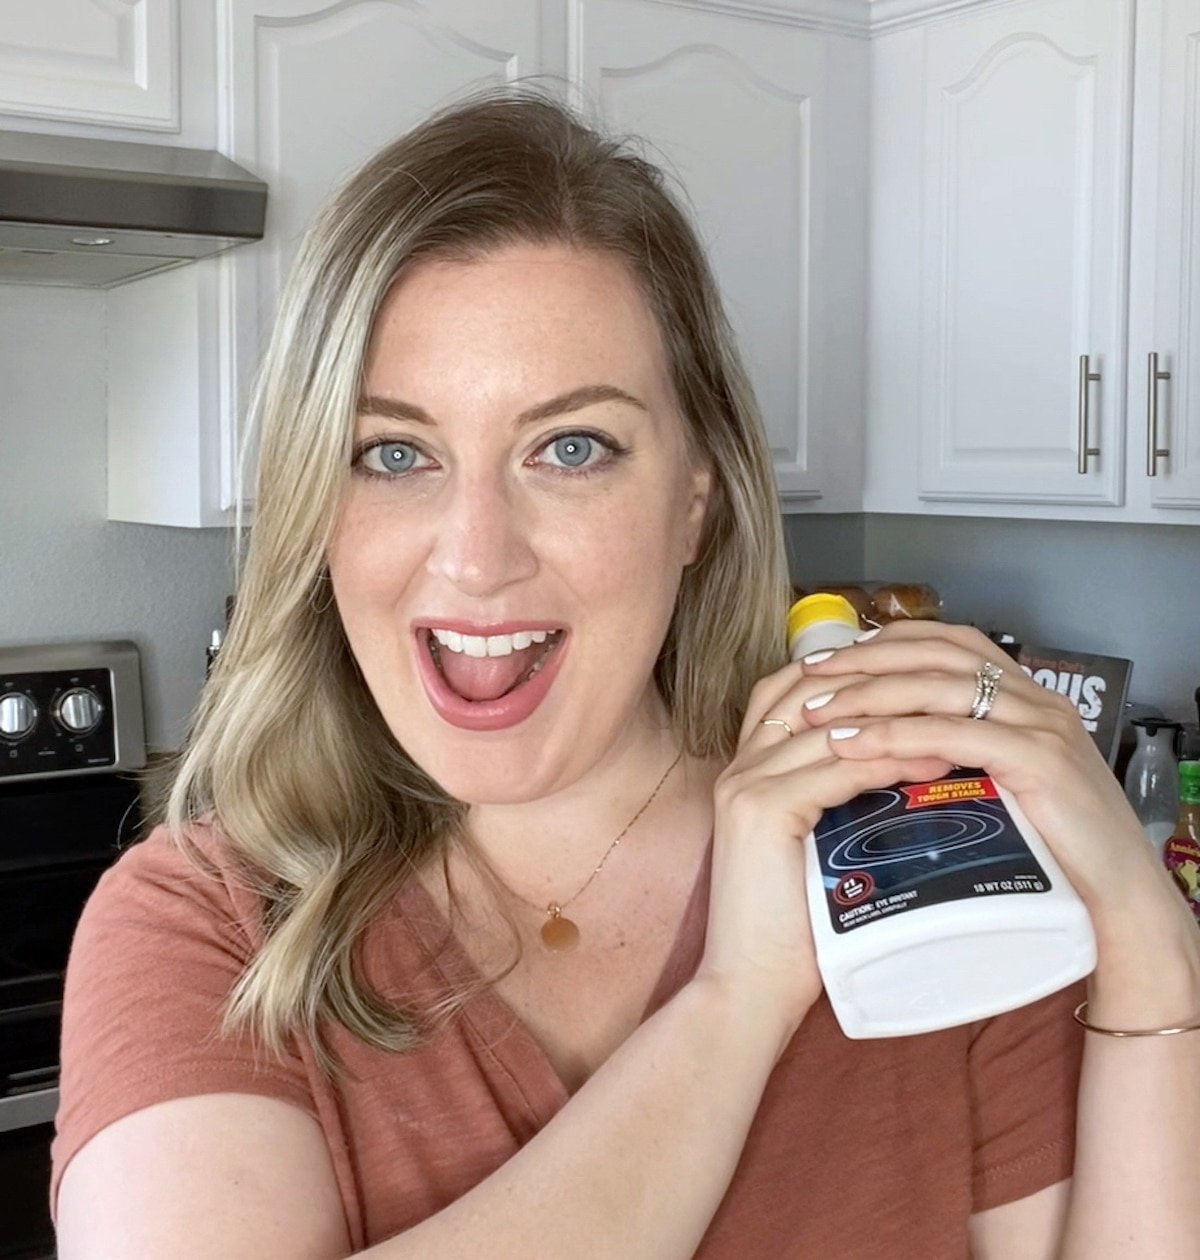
x=544, y=850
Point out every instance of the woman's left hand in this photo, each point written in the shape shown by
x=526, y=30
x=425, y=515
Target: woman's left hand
x=1032, y=742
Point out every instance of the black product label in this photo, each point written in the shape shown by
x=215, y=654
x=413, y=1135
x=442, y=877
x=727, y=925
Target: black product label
x=893, y=850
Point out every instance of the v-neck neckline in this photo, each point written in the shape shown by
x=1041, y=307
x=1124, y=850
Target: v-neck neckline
x=498, y=1027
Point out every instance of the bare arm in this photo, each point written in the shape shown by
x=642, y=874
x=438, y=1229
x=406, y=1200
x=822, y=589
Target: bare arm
x=1139, y=1109
x=1132, y=1195
x=634, y=1166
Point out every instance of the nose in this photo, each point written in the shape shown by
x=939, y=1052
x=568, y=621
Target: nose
x=481, y=536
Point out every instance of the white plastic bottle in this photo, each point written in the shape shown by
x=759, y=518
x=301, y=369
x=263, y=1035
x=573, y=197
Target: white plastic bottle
x=932, y=904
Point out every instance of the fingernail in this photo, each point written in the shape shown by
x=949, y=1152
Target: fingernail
x=844, y=732
x=817, y=701
x=867, y=634
x=815, y=658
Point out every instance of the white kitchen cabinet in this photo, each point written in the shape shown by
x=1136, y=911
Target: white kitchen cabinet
x=91, y=61
x=1164, y=308
x=762, y=120
x=1007, y=149
x=760, y=113
x=1008, y=206
x=1024, y=190
x=306, y=91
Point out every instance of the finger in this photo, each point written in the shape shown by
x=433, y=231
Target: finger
x=786, y=716
x=894, y=695
x=969, y=637
x=778, y=695
x=913, y=646
x=764, y=694
x=795, y=802
x=771, y=750
x=1020, y=758
x=901, y=656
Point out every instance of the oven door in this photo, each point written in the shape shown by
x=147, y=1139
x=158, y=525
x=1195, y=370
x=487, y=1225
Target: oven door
x=25, y=1229
x=38, y=910
x=57, y=837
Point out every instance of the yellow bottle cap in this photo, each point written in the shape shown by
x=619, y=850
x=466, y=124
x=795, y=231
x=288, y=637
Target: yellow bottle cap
x=820, y=607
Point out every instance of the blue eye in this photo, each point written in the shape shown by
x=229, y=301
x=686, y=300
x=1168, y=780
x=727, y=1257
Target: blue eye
x=383, y=458
x=573, y=450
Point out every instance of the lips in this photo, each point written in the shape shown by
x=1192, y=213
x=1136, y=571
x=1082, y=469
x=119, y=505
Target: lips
x=522, y=687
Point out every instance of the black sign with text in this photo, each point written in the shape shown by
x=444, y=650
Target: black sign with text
x=1096, y=685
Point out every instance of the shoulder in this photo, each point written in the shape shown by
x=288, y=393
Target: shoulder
x=161, y=852
x=168, y=885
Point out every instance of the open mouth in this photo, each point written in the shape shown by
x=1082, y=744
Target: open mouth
x=485, y=668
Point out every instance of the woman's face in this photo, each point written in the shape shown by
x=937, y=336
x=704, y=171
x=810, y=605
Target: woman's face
x=520, y=511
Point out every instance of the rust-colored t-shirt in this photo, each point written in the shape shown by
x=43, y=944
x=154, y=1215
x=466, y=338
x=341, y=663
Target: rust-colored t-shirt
x=859, y=1148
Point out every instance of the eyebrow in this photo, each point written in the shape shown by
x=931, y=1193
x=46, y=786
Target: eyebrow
x=572, y=400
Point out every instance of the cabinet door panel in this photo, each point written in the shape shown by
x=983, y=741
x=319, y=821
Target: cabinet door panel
x=313, y=90
x=736, y=108
x=92, y=61
x=1023, y=252
x=1165, y=314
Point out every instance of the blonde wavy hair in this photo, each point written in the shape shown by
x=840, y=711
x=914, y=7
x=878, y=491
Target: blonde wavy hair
x=288, y=755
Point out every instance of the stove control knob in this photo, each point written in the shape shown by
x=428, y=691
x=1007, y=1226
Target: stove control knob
x=18, y=714
x=78, y=710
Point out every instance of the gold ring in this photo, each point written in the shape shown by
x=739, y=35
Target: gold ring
x=777, y=722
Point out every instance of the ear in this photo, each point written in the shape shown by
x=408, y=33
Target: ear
x=698, y=496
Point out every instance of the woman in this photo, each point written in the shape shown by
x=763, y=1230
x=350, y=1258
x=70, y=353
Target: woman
x=478, y=923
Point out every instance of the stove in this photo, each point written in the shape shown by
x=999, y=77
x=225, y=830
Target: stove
x=71, y=738
x=70, y=709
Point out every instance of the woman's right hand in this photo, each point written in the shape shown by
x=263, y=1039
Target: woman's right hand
x=759, y=949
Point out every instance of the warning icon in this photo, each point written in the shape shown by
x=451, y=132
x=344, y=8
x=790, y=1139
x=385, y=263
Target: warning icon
x=853, y=888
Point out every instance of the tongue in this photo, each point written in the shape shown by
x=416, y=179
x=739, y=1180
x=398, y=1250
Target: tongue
x=487, y=677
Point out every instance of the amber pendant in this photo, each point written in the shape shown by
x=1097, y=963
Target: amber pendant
x=558, y=932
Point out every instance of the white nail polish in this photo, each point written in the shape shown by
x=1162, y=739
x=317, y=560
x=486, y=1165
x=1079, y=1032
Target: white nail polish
x=820, y=701
x=815, y=658
x=844, y=732
x=867, y=634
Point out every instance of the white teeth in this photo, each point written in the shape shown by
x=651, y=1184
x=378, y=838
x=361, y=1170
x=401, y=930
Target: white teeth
x=492, y=644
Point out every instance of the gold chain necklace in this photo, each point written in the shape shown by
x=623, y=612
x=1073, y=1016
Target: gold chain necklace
x=560, y=933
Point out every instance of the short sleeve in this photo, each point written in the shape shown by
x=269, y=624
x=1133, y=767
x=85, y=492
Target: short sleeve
x=1024, y=1073
x=157, y=949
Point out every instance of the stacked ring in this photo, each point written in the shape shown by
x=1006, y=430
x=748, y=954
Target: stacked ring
x=987, y=684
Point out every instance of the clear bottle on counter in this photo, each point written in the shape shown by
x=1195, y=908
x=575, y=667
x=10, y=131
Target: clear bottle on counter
x=1152, y=778
x=932, y=904
x=212, y=652
x=1181, y=853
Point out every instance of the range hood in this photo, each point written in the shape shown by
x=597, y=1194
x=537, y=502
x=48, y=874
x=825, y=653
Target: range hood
x=99, y=212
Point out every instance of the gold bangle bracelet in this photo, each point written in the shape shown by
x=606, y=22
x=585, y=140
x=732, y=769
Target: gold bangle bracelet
x=1136, y=1032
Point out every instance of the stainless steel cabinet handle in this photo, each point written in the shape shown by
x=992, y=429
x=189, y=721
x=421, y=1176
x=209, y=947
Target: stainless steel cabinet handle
x=1084, y=377
x=1153, y=451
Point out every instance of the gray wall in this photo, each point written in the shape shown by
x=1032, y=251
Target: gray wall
x=825, y=548
x=66, y=572
x=1122, y=590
